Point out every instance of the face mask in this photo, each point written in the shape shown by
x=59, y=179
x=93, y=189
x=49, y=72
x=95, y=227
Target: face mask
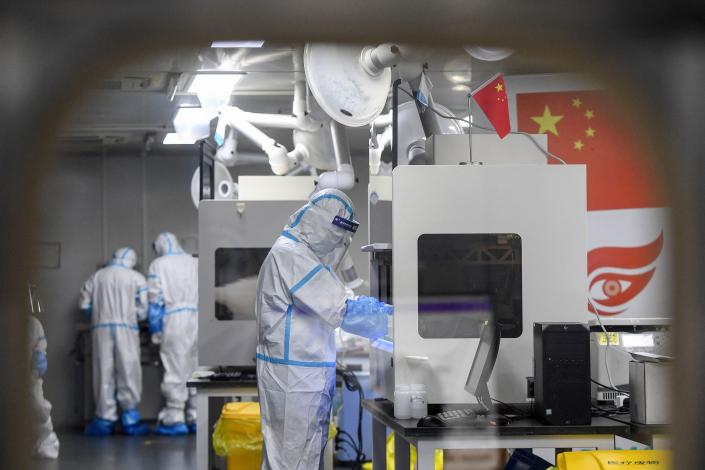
x=337, y=255
x=347, y=272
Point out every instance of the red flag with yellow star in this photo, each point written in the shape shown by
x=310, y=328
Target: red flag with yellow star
x=584, y=128
x=492, y=99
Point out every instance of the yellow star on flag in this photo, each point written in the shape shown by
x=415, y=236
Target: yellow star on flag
x=577, y=103
x=578, y=145
x=499, y=88
x=547, y=122
x=589, y=114
x=590, y=132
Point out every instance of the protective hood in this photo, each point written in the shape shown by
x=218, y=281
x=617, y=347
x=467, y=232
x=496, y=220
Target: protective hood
x=313, y=223
x=166, y=243
x=125, y=257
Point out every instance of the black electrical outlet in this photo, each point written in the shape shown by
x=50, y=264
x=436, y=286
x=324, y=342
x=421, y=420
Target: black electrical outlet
x=529, y=387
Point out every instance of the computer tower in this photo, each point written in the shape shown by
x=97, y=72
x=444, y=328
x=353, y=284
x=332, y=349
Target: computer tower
x=562, y=373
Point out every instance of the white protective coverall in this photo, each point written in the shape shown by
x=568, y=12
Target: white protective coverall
x=46, y=443
x=116, y=296
x=300, y=302
x=173, y=290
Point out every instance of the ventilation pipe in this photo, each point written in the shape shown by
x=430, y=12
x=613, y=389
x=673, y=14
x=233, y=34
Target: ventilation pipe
x=378, y=142
x=344, y=176
x=299, y=118
x=280, y=160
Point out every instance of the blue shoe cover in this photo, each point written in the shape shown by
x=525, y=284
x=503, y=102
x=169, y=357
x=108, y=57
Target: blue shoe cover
x=100, y=427
x=177, y=429
x=130, y=417
x=192, y=427
x=138, y=429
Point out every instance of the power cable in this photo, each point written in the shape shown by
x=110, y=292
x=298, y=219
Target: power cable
x=525, y=134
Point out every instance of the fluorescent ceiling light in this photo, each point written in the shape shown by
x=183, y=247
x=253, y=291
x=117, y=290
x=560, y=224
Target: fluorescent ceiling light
x=214, y=89
x=172, y=138
x=192, y=124
x=236, y=44
x=208, y=81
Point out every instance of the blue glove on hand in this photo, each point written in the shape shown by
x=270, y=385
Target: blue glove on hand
x=155, y=314
x=39, y=363
x=87, y=312
x=367, y=317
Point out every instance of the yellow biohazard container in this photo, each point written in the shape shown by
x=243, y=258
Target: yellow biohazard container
x=615, y=460
x=238, y=436
x=437, y=455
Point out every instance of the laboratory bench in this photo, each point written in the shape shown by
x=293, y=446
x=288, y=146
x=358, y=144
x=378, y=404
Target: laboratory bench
x=653, y=436
x=519, y=433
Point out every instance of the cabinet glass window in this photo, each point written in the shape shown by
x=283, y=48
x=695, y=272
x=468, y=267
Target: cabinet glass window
x=236, y=271
x=466, y=280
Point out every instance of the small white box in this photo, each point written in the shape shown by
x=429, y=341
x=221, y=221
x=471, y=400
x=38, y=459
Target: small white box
x=649, y=386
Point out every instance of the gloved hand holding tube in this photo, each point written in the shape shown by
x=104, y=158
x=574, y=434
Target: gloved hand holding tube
x=366, y=317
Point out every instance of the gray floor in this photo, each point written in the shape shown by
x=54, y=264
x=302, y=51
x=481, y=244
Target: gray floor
x=122, y=452
x=79, y=452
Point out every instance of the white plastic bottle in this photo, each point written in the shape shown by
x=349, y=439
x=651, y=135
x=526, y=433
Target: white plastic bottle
x=419, y=405
x=402, y=402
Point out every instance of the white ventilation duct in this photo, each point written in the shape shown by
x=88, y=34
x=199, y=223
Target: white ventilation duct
x=343, y=177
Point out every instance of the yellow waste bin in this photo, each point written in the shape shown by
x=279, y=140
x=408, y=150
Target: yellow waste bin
x=615, y=460
x=238, y=436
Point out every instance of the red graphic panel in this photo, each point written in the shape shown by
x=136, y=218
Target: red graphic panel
x=616, y=275
x=583, y=128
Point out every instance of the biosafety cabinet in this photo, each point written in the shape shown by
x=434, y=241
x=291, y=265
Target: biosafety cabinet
x=234, y=239
x=472, y=243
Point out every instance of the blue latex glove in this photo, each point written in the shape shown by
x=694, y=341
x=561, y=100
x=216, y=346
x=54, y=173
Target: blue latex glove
x=367, y=317
x=39, y=363
x=155, y=314
x=87, y=312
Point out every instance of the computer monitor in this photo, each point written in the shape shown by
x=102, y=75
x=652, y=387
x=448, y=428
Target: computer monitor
x=482, y=365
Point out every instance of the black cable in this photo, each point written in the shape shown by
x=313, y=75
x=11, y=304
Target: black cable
x=346, y=440
x=352, y=384
x=512, y=407
x=610, y=415
x=339, y=446
x=467, y=121
x=608, y=387
x=610, y=412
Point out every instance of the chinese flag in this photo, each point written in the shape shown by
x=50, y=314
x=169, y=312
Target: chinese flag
x=492, y=98
x=584, y=128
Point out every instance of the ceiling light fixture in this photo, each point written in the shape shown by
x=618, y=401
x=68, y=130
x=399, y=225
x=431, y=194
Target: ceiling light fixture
x=214, y=89
x=192, y=124
x=172, y=138
x=236, y=44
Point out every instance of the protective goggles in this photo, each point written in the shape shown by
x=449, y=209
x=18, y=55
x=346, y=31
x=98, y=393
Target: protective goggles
x=346, y=224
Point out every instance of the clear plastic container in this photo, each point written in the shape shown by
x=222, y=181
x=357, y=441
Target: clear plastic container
x=402, y=401
x=418, y=402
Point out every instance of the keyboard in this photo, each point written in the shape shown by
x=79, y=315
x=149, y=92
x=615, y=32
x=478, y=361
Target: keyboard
x=457, y=417
x=465, y=417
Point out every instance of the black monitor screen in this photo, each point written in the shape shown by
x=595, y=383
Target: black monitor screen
x=466, y=280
